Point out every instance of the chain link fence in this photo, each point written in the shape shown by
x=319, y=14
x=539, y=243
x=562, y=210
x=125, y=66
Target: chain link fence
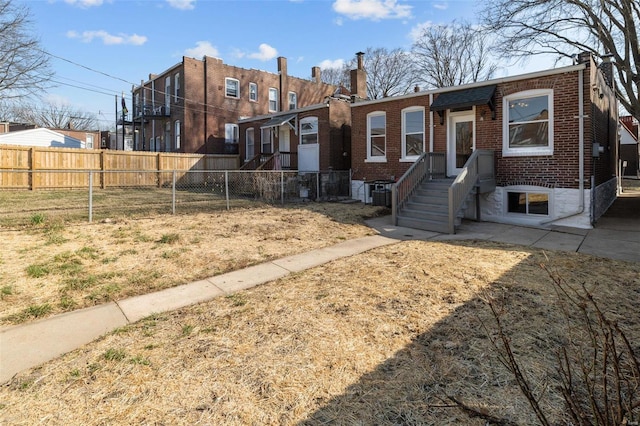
x=89, y=196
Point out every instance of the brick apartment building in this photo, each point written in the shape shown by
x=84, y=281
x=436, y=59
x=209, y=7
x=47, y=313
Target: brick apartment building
x=194, y=106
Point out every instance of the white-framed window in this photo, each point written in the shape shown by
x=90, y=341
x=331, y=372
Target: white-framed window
x=167, y=92
x=167, y=137
x=250, y=144
x=273, y=99
x=230, y=133
x=412, y=133
x=176, y=87
x=265, y=140
x=253, y=92
x=308, y=130
x=293, y=100
x=177, y=134
x=231, y=88
x=377, y=136
x=528, y=123
x=529, y=201
x=89, y=141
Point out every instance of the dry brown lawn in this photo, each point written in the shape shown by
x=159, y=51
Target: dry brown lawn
x=384, y=337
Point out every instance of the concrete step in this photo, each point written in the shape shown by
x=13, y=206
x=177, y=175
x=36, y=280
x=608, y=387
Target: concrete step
x=425, y=215
x=426, y=225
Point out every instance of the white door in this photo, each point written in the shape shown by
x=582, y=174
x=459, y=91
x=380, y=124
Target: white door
x=284, y=147
x=461, y=140
x=309, y=157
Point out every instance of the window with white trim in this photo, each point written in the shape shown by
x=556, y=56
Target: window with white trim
x=528, y=123
x=177, y=134
x=528, y=202
x=273, y=99
x=89, y=141
x=230, y=133
x=253, y=92
x=249, y=142
x=377, y=136
x=231, y=88
x=412, y=132
x=308, y=130
x=293, y=100
x=176, y=87
x=265, y=140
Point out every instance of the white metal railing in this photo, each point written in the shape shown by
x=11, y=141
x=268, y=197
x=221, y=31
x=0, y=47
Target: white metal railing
x=429, y=165
x=478, y=171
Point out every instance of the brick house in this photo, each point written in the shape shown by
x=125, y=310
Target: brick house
x=308, y=139
x=195, y=105
x=537, y=149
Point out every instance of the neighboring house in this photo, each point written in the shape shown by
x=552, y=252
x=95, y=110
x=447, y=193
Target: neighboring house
x=534, y=149
x=195, y=105
x=40, y=137
x=91, y=138
x=6, y=127
x=629, y=147
x=310, y=139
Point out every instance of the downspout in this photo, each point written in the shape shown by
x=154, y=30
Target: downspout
x=430, y=123
x=580, y=117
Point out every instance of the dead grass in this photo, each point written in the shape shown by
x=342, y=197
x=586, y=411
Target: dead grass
x=379, y=338
x=53, y=266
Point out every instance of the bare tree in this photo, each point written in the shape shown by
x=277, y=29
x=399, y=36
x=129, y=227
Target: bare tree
x=24, y=67
x=336, y=76
x=56, y=116
x=389, y=72
x=568, y=27
x=450, y=55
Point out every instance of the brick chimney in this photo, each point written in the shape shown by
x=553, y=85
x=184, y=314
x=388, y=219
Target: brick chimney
x=607, y=69
x=359, y=80
x=315, y=74
x=284, y=83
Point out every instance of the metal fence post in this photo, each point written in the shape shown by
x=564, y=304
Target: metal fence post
x=173, y=193
x=282, y=185
x=318, y=186
x=226, y=186
x=90, y=196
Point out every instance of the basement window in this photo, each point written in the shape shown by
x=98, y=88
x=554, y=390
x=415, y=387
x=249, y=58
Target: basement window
x=528, y=203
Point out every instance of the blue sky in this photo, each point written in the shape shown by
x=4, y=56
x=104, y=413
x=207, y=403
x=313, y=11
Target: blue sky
x=105, y=46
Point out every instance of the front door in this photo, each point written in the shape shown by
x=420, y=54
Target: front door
x=461, y=140
x=284, y=147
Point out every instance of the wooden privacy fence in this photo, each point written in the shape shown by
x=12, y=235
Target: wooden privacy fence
x=23, y=167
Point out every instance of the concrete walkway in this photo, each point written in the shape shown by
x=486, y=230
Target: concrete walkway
x=616, y=236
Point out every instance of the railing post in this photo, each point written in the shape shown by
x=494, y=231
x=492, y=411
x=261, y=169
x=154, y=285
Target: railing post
x=394, y=205
x=318, y=186
x=452, y=214
x=282, y=186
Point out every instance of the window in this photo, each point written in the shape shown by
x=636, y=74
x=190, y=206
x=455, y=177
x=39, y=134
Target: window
x=177, y=134
x=308, y=130
x=293, y=100
x=528, y=203
x=253, y=92
x=273, y=99
x=89, y=141
x=167, y=91
x=230, y=133
x=376, y=136
x=232, y=88
x=250, y=151
x=528, y=123
x=167, y=137
x=412, y=133
x=176, y=87
x=266, y=141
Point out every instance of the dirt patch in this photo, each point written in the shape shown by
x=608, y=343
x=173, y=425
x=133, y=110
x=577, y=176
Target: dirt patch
x=52, y=267
x=379, y=338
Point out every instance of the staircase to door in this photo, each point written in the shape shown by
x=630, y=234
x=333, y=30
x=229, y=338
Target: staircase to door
x=428, y=207
x=424, y=199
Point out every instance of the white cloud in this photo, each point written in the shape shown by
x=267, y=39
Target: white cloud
x=265, y=53
x=416, y=32
x=84, y=3
x=182, y=4
x=328, y=63
x=372, y=9
x=108, y=39
x=202, y=48
x=441, y=6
